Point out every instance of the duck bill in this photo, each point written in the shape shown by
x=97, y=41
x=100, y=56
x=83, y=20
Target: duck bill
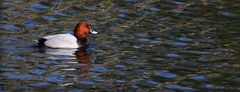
x=93, y=31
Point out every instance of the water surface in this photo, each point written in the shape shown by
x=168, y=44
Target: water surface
x=143, y=45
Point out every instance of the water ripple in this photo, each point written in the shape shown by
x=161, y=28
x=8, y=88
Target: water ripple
x=147, y=83
x=10, y=27
x=154, y=9
x=49, y=18
x=185, y=39
x=198, y=78
x=7, y=69
x=173, y=86
x=39, y=6
x=98, y=69
x=39, y=72
x=86, y=82
x=30, y=24
x=177, y=44
x=165, y=75
x=17, y=76
x=39, y=84
x=55, y=79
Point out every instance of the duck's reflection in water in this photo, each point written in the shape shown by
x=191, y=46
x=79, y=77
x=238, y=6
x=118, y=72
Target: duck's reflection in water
x=82, y=57
x=60, y=52
x=80, y=54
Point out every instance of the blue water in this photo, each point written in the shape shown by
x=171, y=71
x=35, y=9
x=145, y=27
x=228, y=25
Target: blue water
x=142, y=45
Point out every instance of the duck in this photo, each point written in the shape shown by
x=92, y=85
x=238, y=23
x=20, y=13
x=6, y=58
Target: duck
x=78, y=40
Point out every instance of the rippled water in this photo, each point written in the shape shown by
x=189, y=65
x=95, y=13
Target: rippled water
x=143, y=45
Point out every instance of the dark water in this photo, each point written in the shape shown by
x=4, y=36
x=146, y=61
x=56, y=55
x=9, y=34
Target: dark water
x=143, y=46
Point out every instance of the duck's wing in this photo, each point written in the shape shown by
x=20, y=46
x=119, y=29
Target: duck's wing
x=59, y=41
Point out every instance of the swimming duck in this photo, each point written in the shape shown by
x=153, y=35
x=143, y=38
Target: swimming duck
x=79, y=39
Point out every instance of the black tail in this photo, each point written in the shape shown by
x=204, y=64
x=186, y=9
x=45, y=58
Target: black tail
x=41, y=42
